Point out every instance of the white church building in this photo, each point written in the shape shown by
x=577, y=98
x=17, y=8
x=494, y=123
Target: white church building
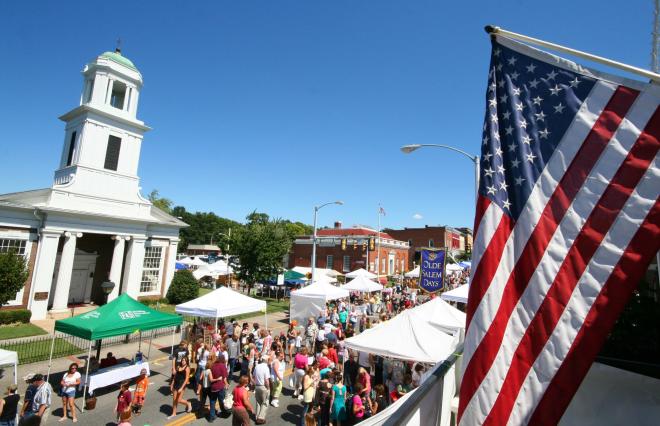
x=92, y=224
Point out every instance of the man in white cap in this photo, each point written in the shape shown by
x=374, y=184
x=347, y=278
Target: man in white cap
x=261, y=376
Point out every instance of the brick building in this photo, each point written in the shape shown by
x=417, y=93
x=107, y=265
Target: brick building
x=348, y=249
x=432, y=236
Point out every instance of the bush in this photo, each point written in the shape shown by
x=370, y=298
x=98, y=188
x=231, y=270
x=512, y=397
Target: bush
x=13, y=274
x=184, y=287
x=154, y=300
x=12, y=316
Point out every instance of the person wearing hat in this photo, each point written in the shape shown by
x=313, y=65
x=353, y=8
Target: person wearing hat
x=261, y=377
x=29, y=395
x=9, y=406
x=43, y=397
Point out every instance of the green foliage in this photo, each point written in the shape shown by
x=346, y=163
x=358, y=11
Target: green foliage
x=13, y=274
x=297, y=229
x=261, y=246
x=184, y=287
x=463, y=256
x=12, y=316
x=165, y=204
x=204, y=227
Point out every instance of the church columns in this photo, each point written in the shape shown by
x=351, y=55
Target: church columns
x=43, y=274
x=133, y=269
x=117, y=263
x=170, y=266
x=63, y=284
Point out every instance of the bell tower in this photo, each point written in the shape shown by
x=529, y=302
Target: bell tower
x=103, y=137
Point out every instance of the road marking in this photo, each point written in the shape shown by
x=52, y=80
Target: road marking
x=188, y=418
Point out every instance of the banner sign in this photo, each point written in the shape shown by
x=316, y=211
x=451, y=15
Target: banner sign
x=432, y=269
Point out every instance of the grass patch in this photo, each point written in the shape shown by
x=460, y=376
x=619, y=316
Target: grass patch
x=39, y=349
x=20, y=330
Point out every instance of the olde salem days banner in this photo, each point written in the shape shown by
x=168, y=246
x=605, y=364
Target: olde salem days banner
x=432, y=270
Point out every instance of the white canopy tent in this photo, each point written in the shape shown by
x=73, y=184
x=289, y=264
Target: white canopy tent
x=412, y=274
x=416, y=339
x=186, y=261
x=440, y=313
x=222, y=303
x=362, y=273
x=10, y=358
x=214, y=270
x=459, y=294
x=362, y=284
x=452, y=267
x=319, y=271
x=309, y=301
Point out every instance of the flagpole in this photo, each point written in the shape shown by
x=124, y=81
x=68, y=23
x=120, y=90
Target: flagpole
x=494, y=30
x=378, y=257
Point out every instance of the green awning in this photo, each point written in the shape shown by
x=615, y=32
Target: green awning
x=293, y=275
x=124, y=315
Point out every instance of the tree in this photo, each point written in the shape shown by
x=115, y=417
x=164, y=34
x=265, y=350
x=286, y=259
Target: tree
x=184, y=287
x=203, y=228
x=165, y=204
x=13, y=274
x=260, y=246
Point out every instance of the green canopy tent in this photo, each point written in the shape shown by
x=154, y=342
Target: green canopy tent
x=122, y=316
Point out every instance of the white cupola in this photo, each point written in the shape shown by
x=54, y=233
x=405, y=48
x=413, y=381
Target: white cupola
x=103, y=137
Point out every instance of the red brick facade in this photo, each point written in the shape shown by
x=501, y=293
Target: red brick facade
x=330, y=254
x=429, y=236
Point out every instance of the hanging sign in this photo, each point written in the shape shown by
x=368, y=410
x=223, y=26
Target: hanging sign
x=432, y=269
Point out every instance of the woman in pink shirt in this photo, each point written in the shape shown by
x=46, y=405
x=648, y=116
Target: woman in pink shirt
x=300, y=362
x=364, y=379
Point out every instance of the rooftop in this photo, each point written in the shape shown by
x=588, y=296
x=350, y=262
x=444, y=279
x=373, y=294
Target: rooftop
x=118, y=58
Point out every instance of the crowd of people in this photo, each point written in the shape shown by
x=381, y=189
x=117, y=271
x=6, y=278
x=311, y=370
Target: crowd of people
x=223, y=363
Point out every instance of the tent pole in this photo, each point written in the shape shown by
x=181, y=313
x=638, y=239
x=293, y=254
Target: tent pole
x=151, y=340
x=89, y=355
x=266, y=315
x=50, y=359
x=172, y=348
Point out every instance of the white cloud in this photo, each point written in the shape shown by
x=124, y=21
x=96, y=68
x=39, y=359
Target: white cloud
x=417, y=216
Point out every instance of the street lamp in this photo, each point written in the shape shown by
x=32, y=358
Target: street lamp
x=107, y=287
x=407, y=149
x=316, y=209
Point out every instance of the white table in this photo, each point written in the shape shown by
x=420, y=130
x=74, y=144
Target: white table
x=113, y=375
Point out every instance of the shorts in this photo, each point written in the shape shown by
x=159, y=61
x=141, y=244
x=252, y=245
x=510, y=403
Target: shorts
x=68, y=392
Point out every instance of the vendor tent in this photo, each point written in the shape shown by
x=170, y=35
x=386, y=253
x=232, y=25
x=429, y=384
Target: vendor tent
x=186, y=261
x=408, y=337
x=221, y=303
x=362, y=284
x=440, y=313
x=465, y=264
x=213, y=270
x=452, y=267
x=459, y=294
x=124, y=315
x=9, y=358
x=361, y=273
x=412, y=274
x=309, y=301
x=318, y=271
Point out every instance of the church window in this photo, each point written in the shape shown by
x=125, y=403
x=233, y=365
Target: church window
x=89, y=91
x=118, y=94
x=72, y=147
x=151, y=269
x=112, y=153
x=7, y=245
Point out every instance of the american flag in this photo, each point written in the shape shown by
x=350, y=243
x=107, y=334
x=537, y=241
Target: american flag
x=567, y=221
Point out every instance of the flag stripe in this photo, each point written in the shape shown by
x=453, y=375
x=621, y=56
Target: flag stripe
x=491, y=257
x=569, y=229
x=580, y=128
x=573, y=266
x=602, y=316
x=589, y=152
x=589, y=287
x=482, y=206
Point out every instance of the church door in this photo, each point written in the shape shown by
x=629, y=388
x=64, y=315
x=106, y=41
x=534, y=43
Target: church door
x=78, y=287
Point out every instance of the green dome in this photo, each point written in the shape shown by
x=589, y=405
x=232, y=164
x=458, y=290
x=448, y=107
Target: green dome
x=116, y=57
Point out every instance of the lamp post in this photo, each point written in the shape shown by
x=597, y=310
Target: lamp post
x=407, y=149
x=107, y=287
x=316, y=209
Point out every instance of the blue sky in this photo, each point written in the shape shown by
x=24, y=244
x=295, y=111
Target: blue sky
x=281, y=105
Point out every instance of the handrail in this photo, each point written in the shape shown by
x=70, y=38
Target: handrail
x=407, y=409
